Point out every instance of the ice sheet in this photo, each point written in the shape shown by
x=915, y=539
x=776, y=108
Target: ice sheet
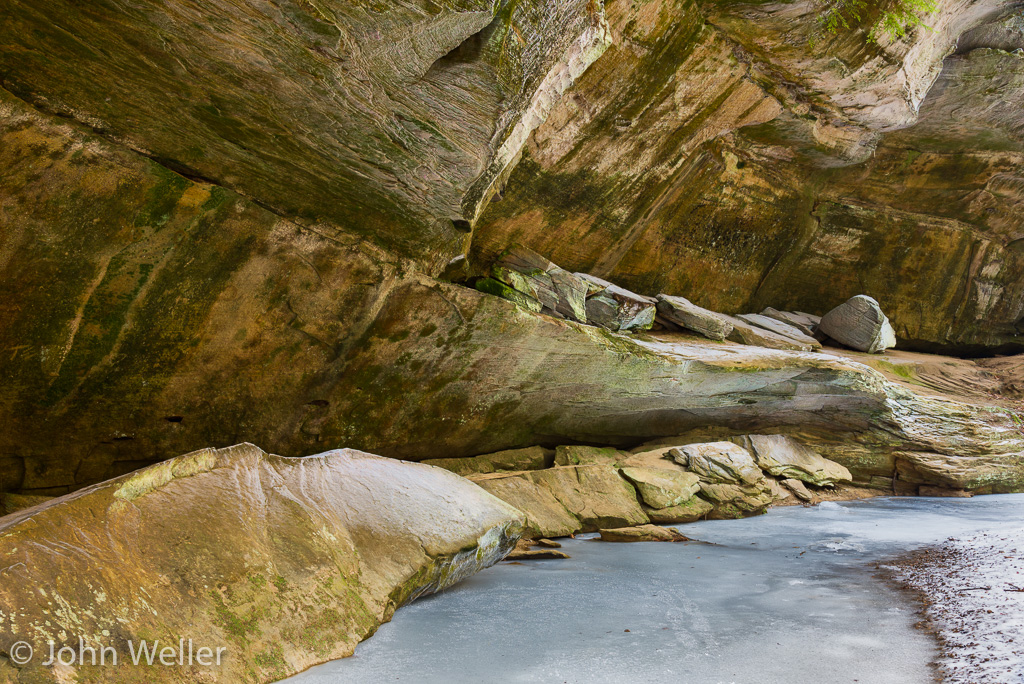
x=786, y=597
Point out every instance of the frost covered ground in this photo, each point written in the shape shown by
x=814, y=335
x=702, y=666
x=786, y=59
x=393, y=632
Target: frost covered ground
x=974, y=591
x=790, y=597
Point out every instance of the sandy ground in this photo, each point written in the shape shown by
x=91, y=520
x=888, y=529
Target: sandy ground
x=997, y=381
x=972, y=593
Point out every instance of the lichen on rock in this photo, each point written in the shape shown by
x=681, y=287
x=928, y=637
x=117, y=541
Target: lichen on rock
x=302, y=557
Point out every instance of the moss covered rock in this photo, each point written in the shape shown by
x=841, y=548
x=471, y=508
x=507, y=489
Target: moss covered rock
x=284, y=563
x=530, y=458
x=563, y=500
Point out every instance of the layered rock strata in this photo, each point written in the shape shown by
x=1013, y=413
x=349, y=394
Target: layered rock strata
x=713, y=152
x=672, y=484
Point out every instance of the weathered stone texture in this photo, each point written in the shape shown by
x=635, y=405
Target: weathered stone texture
x=390, y=121
x=796, y=178
x=286, y=563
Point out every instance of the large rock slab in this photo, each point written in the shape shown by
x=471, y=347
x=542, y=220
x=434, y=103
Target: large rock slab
x=779, y=327
x=662, y=487
x=731, y=501
x=616, y=308
x=530, y=458
x=595, y=494
x=720, y=463
x=557, y=290
x=686, y=314
x=798, y=489
x=691, y=510
x=546, y=516
x=859, y=323
x=784, y=457
x=506, y=377
x=284, y=562
x=804, y=322
x=756, y=335
x=564, y=500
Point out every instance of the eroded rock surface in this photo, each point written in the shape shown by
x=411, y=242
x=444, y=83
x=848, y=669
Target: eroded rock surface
x=686, y=314
x=713, y=153
x=784, y=457
x=783, y=328
x=260, y=265
x=391, y=122
x=616, y=308
x=756, y=335
x=563, y=500
x=285, y=562
x=662, y=487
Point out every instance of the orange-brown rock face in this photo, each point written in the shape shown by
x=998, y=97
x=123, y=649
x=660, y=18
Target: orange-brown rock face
x=223, y=224
x=733, y=164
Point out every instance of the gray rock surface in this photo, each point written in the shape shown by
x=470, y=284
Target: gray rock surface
x=783, y=456
x=757, y=336
x=616, y=308
x=688, y=315
x=798, y=488
x=804, y=322
x=782, y=328
x=556, y=289
x=859, y=323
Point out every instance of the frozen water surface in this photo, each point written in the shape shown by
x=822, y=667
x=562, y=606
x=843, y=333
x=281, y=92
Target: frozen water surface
x=785, y=597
